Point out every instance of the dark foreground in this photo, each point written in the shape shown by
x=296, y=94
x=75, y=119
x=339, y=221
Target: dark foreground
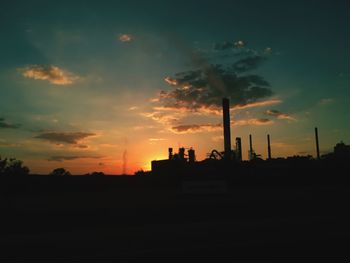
x=85, y=219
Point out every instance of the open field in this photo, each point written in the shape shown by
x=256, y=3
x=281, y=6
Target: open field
x=108, y=219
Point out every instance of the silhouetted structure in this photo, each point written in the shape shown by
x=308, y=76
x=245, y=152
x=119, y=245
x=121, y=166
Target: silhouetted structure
x=238, y=149
x=268, y=147
x=227, y=130
x=250, y=153
x=191, y=156
x=317, y=145
x=228, y=163
x=170, y=153
x=342, y=150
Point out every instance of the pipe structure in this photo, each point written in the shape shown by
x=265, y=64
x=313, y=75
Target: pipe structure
x=250, y=147
x=227, y=131
x=317, y=144
x=238, y=149
x=268, y=147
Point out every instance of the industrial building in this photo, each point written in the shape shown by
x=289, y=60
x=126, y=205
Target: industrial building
x=229, y=161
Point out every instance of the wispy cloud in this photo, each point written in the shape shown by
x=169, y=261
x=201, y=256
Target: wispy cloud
x=252, y=122
x=5, y=144
x=51, y=73
x=248, y=64
x=133, y=108
x=60, y=158
x=64, y=137
x=279, y=115
x=156, y=139
x=229, y=45
x=326, y=101
x=125, y=38
x=160, y=117
x=209, y=127
x=6, y=125
x=195, y=128
x=262, y=103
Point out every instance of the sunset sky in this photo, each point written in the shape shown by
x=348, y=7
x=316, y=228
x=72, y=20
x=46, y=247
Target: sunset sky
x=102, y=86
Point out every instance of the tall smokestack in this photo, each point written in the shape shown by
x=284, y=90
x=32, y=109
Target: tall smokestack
x=317, y=145
x=250, y=147
x=268, y=147
x=238, y=148
x=227, y=132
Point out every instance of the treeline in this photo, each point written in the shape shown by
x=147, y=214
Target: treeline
x=15, y=167
x=12, y=167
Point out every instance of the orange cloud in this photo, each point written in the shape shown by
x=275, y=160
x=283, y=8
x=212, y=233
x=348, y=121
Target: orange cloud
x=161, y=117
x=171, y=81
x=156, y=139
x=195, y=128
x=257, y=104
x=53, y=74
x=64, y=137
x=252, y=122
x=125, y=38
x=279, y=115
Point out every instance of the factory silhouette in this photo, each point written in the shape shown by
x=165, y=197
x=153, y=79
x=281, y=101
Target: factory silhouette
x=229, y=166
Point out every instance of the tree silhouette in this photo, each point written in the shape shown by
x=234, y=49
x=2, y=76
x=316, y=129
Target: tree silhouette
x=13, y=167
x=60, y=172
x=97, y=174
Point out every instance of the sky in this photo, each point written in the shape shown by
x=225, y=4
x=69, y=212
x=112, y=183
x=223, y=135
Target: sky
x=109, y=86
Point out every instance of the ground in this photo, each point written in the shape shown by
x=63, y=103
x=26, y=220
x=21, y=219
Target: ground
x=126, y=219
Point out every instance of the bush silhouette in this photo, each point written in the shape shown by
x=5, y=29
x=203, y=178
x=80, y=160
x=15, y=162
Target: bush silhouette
x=13, y=167
x=60, y=172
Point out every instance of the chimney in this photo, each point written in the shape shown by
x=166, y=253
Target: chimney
x=238, y=149
x=227, y=132
x=250, y=147
x=317, y=145
x=268, y=147
x=191, y=156
x=170, y=150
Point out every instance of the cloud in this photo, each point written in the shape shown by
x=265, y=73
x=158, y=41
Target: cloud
x=156, y=139
x=162, y=118
x=195, y=128
x=133, y=108
x=125, y=38
x=204, y=88
x=249, y=63
x=252, y=122
x=199, y=92
x=239, y=44
x=6, y=125
x=229, y=45
x=268, y=51
x=53, y=74
x=257, y=104
x=5, y=144
x=60, y=158
x=64, y=137
x=279, y=115
x=326, y=101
